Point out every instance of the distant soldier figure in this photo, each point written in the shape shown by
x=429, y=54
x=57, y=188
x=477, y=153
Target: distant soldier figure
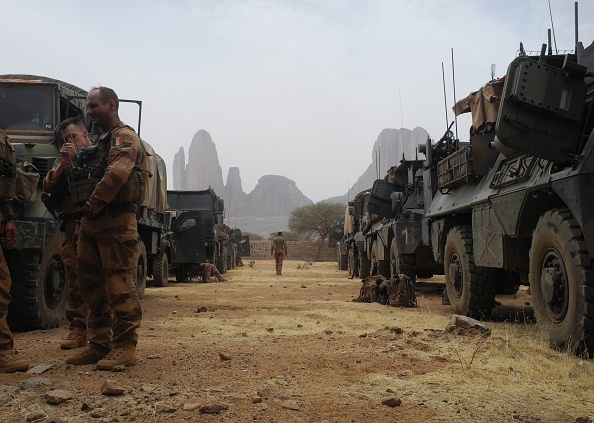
x=279, y=251
x=76, y=137
x=112, y=182
x=208, y=270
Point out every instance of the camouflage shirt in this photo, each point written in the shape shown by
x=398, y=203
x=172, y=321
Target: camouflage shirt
x=124, y=155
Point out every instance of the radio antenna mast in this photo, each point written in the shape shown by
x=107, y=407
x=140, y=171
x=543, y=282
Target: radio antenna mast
x=553, y=28
x=454, y=81
x=445, y=101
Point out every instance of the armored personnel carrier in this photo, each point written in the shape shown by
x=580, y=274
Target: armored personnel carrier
x=515, y=204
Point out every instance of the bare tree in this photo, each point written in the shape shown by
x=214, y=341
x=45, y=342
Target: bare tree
x=316, y=221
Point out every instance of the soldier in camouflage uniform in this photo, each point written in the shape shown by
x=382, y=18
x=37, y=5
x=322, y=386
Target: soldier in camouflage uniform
x=9, y=362
x=107, y=246
x=76, y=137
x=279, y=251
x=209, y=269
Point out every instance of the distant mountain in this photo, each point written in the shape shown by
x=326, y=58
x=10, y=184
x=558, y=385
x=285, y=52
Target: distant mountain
x=267, y=208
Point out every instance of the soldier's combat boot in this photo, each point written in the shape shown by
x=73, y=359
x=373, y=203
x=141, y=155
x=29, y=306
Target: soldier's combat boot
x=9, y=362
x=124, y=355
x=86, y=355
x=73, y=340
x=220, y=278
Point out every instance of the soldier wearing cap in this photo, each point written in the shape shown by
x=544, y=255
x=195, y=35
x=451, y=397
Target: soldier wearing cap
x=107, y=248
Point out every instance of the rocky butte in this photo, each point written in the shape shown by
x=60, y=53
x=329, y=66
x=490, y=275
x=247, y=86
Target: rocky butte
x=268, y=206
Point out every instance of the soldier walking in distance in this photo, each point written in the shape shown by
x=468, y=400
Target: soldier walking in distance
x=107, y=245
x=76, y=137
x=279, y=251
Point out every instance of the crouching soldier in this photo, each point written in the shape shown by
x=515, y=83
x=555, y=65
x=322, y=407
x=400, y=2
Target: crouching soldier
x=208, y=270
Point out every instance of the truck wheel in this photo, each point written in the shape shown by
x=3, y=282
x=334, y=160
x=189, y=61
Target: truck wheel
x=364, y=265
x=560, y=277
x=353, y=264
x=140, y=269
x=161, y=269
x=222, y=262
x=343, y=260
x=39, y=289
x=471, y=288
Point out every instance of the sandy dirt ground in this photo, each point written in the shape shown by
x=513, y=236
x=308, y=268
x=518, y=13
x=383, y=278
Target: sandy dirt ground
x=290, y=348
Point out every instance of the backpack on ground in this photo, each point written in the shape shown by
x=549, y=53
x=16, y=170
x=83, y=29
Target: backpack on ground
x=402, y=292
x=370, y=290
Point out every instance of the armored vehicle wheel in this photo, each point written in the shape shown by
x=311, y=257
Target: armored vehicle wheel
x=398, y=264
x=560, y=277
x=39, y=288
x=161, y=269
x=471, y=288
x=221, y=262
x=364, y=265
x=342, y=259
x=353, y=264
x=140, y=269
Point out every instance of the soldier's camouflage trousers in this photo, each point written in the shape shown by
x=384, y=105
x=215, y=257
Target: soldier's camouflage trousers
x=77, y=310
x=6, y=340
x=279, y=256
x=106, y=261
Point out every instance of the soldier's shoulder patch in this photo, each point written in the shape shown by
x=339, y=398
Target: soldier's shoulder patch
x=121, y=139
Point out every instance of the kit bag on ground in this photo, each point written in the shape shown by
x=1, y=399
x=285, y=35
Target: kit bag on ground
x=372, y=290
x=402, y=292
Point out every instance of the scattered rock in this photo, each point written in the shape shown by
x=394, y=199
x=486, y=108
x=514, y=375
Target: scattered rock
x=270, y=329
x=462, y=325
x=87, y=406
x=303, y=286
x=583, y=419
x=154, y=357
x=392, y=402
x=256, y=400
x=57, y=396
x=290, y=405
x=201, y=309
x=40, y=368
x=111, y=387
x=224, y=357
x=35, y=417
x=210, y=409
x=164, y=408
x=328, y=332
x=191, y=406
x=34, y=382
x=98, y=413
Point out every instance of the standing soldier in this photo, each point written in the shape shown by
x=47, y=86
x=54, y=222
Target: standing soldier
x=111, y=180
x=279, y=251
x=9, y=362
x=76, y=137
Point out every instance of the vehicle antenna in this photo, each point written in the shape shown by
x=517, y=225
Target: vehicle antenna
x=576, y=25
x=553, y=27
x=401, y=121
x=492, y=71
x=445, y=101
x=454, y=81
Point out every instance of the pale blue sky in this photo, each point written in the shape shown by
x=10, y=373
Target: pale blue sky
x=294, y=88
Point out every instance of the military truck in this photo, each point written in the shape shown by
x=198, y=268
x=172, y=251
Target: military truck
x=196, y=234
x=515, y=203
x=394, y=242
x=30, y=109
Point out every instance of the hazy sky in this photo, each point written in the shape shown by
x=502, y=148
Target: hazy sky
x=294, y=88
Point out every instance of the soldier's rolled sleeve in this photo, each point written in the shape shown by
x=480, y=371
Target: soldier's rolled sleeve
x=53, y=176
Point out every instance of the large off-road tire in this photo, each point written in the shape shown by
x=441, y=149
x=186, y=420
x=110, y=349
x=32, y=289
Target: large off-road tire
x=222, y=262
x=353, y=264
x=39, y=289
x=471, y=288
x=342, y=259
x=364, y=265
x=399, y=264
x=161, y=269
x=562, y=282
x=140, y=269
